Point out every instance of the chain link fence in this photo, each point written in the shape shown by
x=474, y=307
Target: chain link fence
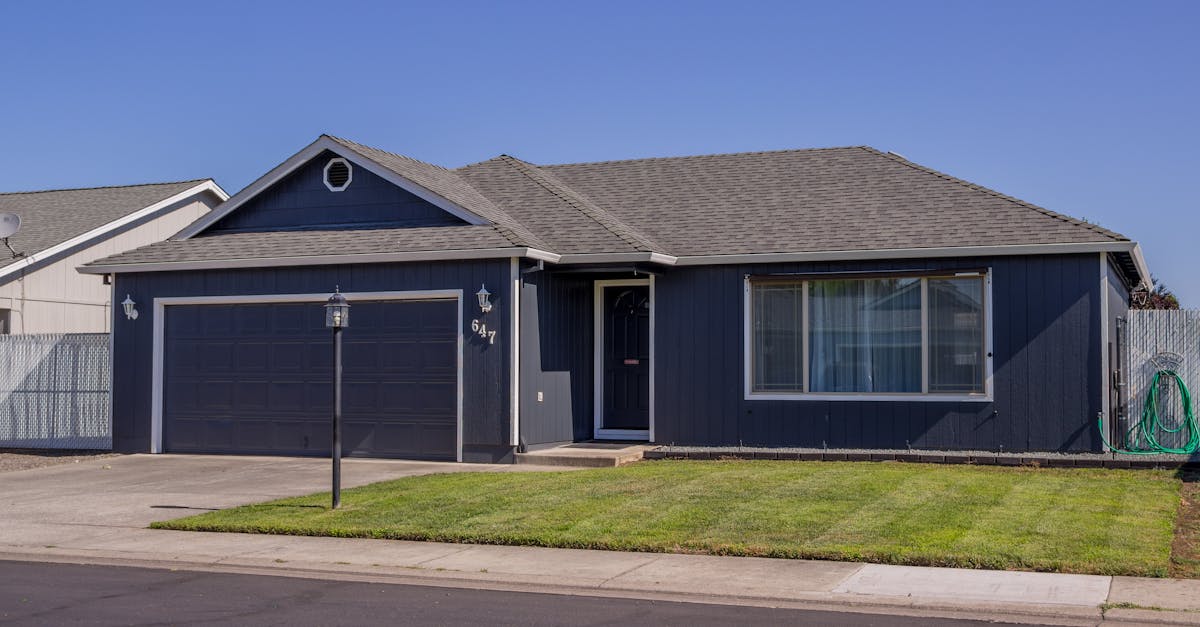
x=1154, y=340
x=54, y=391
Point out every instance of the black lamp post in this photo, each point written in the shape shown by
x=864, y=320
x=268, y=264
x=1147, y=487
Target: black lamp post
x=337, y=317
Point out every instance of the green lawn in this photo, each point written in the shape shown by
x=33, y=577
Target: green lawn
x=1069, y=520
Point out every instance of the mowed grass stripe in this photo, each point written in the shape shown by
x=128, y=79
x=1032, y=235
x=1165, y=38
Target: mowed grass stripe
x=1069, y=520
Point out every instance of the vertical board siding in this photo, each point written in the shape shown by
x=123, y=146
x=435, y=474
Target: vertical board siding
x=1047, y=386
x=486, y=376
x=556, y=358
x=301, y=198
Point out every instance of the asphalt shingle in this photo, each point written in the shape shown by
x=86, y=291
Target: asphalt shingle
x=282, y=244
x=788, y=201
x=832, y=199
x=49, y=218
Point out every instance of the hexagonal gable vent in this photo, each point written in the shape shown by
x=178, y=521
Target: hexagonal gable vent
x=338, y=174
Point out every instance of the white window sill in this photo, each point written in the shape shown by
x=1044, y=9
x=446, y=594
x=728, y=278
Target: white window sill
x=913, y=398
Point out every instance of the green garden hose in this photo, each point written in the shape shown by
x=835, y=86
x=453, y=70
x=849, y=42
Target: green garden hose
x=1143, y=437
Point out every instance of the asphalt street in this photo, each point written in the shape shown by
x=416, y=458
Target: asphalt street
x=68, y=594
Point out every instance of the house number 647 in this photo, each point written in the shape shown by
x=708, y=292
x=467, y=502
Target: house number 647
x=480, y=329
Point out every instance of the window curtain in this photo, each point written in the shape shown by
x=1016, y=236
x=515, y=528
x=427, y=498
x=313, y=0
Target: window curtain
x=865, y=335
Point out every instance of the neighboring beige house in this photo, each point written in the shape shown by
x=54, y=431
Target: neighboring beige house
x=40, y=291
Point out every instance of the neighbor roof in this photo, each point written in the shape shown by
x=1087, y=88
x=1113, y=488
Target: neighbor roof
x=50, y=218
x=840, y=201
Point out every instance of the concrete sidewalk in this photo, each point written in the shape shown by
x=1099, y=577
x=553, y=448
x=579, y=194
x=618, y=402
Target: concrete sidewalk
x=96, y=512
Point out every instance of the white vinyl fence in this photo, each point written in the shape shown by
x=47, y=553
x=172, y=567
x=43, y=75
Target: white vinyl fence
x=54, y=391
x=1154, y=340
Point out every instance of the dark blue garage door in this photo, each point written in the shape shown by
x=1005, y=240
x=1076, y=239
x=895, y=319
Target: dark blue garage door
x=256, y=379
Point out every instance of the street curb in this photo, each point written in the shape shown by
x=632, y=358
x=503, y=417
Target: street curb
x=840, y=602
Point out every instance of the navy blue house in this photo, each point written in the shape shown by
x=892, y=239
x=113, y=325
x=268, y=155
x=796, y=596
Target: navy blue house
x=839, y=297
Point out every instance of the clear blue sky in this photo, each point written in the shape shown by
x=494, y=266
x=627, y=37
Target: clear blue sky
x=1087, y=108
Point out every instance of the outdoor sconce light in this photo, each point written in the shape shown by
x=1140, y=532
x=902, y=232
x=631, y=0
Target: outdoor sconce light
x=485, y=305
x=131, y=312
x=337, y=311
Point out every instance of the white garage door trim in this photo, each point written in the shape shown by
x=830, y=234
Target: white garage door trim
x=160, y=310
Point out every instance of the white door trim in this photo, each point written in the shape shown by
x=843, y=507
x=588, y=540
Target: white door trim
x=161, y=304
x=598, y=431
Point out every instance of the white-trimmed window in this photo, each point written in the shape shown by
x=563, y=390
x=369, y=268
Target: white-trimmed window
x=901, y=335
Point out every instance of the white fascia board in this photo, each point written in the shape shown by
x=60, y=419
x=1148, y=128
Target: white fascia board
x=99, y=233
x=323, y=260
x=911, y=253
x=304, y=156
x=659, y=258
x=1142, y=267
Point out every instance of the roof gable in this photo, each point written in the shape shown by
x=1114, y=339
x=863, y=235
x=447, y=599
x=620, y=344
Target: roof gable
x=302, y=201
x=432, y=184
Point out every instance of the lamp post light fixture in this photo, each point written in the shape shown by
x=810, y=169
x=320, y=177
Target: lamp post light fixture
x=337, y=317
x=485, y=304
x=131, y=312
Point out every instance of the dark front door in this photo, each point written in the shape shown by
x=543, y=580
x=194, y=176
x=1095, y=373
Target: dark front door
x=257, y=379
x=627, y=357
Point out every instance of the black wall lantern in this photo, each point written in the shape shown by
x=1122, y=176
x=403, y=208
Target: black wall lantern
x=337, y=317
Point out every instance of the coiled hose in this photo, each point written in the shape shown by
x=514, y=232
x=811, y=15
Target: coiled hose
x=1143, y=437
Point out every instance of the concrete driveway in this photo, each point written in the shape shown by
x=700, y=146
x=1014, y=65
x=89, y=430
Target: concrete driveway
x=45, y=506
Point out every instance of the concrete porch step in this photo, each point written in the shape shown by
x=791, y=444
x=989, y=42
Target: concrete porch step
x=585, y=455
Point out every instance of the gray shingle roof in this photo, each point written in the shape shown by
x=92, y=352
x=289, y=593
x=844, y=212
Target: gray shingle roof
x=52, y=217
x=789, y=201
x=282, y=244
x=569, y=222
x=830, y=199
x=450, y=186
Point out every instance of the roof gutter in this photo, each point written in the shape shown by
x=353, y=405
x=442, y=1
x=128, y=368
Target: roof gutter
x=666, y=260
x=322, y=260
x=1130, y=248
x=104, y=229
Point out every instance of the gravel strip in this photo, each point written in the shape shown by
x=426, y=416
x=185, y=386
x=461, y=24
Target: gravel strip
x=24, y=459
x=736, y=450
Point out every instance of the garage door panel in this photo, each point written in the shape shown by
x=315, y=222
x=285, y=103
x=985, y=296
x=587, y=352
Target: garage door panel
x=358, y=436
x=287, y=395
x=250, y=394
x=435, y=357
x=214, y=395
x=288, y=356
x=360, y=395
x=360, y=356
x=217, y=323
x=257, y=379
x=215, y=357
x=253, y=357
x=290, y=318
x=252, y=320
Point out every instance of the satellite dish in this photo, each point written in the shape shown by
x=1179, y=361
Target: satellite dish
x=10, y=223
